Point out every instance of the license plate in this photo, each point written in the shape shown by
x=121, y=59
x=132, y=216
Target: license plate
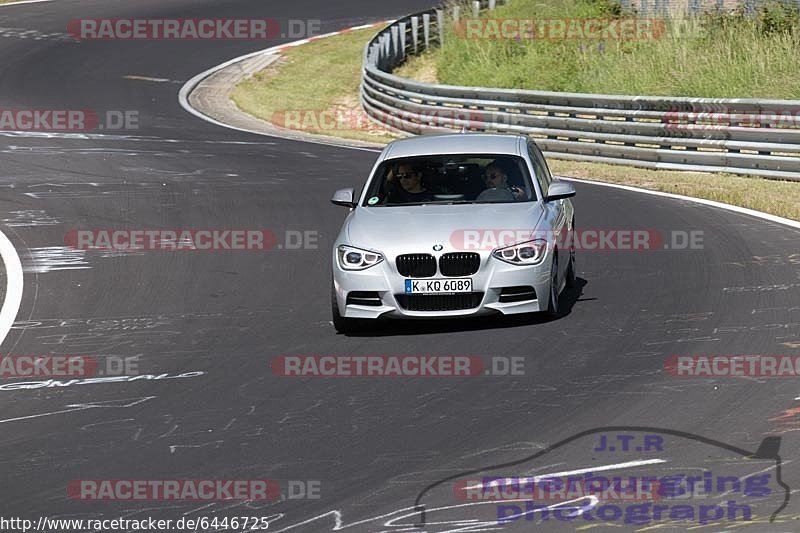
x=438, y=286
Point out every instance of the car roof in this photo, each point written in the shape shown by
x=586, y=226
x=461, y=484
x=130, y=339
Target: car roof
x=454, y=143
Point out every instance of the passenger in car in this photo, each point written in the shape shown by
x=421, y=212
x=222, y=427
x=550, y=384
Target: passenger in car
x=496, y=177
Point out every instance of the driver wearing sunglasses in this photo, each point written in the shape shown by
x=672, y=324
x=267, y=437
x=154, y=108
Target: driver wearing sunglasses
x=411, y=189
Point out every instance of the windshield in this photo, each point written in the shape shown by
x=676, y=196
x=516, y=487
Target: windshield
x=448, y=179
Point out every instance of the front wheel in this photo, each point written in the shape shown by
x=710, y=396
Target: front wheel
x=340, y=323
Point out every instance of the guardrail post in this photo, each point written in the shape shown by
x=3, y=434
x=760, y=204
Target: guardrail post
x=476, y=8
x=402, y=26
x=426, y=29
x=440, y=25
x=385, y=50
x=415, y=33
x=457, y=13
x=492, y=4
x=397, y=54
x=373, y=54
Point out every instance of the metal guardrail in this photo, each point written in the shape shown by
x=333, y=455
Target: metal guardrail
x=741, y=136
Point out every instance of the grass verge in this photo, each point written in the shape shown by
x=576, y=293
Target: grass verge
x=718, y=55
x=306, y=81
x=314, y=88
x=780, y=198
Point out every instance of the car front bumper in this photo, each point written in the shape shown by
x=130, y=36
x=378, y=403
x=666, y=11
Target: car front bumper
x=492, y=277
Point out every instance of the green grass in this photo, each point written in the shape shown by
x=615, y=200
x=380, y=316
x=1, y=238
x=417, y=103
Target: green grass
x=780, y=198
x=713, y=56
x=322, y=76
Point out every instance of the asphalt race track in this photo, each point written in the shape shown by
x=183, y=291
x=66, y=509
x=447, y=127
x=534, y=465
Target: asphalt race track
x=213, y=322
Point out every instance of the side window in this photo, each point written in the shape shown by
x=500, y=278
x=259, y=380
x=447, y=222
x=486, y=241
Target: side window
x=539, y=167
x=547, y=176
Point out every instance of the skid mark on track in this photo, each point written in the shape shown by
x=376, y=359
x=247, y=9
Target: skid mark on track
x=127, y=323
x=787, y=421
x=60, y=150
x=53, y=258
x=135, y=77
x=215, y=444
x=103, y=335
x=29, y=218
x=93, y=194
x=86, y=136
x=109, y=341
x=107, y=254
x=763, y=288
x=769, y=260
x=36, y=35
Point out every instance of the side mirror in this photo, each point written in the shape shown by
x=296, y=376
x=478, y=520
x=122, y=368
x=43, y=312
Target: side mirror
x=559, y=190
x=344, y=197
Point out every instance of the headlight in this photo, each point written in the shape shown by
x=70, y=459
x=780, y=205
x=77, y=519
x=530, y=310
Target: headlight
x=351, y=258
x=524, y=253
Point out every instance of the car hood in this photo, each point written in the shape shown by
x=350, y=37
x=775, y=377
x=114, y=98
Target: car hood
x=416, y=229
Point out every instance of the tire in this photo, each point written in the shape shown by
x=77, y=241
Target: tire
x=552, y=299
x=571, y=279
x=340, y=324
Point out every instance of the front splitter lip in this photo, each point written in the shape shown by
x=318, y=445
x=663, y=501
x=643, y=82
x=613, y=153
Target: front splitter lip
x=485, y=310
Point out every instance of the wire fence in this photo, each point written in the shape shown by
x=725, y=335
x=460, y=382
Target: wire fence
x=696, y=7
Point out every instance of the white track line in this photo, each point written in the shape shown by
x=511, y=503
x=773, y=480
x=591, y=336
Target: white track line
x=14, y=285
x=189, y=86
x=712, y=203
x=536, y=479
x=24, y=2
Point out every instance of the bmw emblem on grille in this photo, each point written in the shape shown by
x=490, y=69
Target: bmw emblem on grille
x=437, y=247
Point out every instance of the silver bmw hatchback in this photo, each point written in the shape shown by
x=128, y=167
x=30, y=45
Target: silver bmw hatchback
x=452, y=226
